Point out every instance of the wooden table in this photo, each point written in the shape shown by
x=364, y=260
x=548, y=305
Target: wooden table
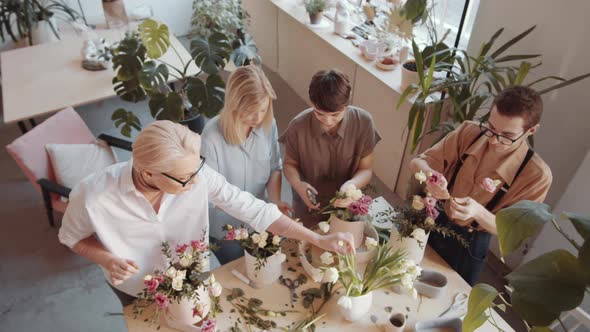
x=48, y=77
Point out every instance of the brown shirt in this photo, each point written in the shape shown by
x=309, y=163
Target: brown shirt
x=326, y=160
x=532, y=183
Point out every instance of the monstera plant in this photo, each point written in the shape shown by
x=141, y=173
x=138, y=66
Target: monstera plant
x=141, y=73
x=543, y=288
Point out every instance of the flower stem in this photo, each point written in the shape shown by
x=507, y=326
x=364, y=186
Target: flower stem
x=567, y=237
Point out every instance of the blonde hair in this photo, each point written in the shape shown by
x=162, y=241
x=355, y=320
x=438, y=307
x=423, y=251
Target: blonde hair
x=247, y=90
x=158, y=146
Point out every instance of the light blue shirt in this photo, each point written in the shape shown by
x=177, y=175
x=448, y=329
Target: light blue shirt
x=247, y=166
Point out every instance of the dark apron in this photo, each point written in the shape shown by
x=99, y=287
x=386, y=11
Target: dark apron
x=468, y=262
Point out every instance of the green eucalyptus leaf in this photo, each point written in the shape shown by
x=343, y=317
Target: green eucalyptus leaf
x=481, y=298
x=155, y=36
x=547, y=286
x=518, y=222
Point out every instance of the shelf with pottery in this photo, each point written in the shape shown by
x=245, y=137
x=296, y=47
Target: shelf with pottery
x=444, y=292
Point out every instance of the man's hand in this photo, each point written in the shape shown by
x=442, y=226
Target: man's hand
x=463, y=210
x=120, y=269
x=301, y=189
x=337, y=242
x=439, y=191
x=285, y=208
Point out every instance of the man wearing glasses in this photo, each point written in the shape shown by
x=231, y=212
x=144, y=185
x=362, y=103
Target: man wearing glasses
x=119, y=217
x=496, y=149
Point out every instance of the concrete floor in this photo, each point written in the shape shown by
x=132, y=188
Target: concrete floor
x=43, y=285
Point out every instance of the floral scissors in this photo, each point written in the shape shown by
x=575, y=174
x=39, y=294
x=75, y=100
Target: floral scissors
x=458, y=308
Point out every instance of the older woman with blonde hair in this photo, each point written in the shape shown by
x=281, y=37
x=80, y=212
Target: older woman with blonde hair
x=118, y=217
x=241, y=143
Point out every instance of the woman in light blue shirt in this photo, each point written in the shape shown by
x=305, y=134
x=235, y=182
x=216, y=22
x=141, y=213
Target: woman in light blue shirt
x=241, y=143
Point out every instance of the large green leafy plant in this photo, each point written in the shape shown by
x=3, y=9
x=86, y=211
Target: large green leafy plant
x=544, y=287
x=141, y=73
x=468, y=83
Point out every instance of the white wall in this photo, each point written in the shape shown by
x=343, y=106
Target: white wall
x=561, y=37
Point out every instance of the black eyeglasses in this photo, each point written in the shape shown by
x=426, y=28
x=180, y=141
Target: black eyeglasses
x=501, y=138
x=190, y=178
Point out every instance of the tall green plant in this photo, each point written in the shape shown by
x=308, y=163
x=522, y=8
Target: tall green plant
x=141, y=73
x=468, y=84
x=544, y=287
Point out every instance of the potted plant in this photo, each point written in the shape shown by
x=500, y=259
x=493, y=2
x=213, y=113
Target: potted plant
x=262, y=251
x=315, y=10
x=349, y=212
x=386, y=269
x=140, y=73
x=546, y=286
x=185, y=292
x=34, y=19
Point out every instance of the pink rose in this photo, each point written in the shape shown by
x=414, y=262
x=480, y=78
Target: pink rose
x=162, y=301
x=199, y=246
x=436, y=178
x=181, y=248
x=432, y=212
x=342, y=202
x=489, y=185
x=159, y=278
x=430, y=201
x=230, y=235
x=367, y=200
x=151, y=285
x=357, y=208
x=243, y=233
x=208, y=325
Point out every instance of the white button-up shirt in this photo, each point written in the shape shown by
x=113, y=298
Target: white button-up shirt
x=108, y=204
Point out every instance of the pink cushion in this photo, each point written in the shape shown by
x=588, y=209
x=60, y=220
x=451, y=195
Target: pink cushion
x=29, y=152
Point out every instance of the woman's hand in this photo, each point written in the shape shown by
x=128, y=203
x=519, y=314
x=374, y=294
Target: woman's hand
x=301, y=189
x=120, y=269
x=439, y=191
x=337, y=242
x=285, y=208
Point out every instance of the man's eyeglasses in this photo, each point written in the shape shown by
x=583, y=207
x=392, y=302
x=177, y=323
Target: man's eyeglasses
x=190, y=178
x=501, y=138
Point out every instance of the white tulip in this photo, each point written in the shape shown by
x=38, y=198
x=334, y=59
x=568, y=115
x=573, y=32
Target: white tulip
x=345, y=302
x=324, y=226
x=330, y=275
x=327, y=258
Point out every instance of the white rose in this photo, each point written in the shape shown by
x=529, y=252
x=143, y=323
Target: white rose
x=181, y=274
x=417, y=203
x=348, y=187
x=324, y=226
x=171, y=273
x=215, y=289
x=244, y=233
x=186, y=260
x=327, y=258
x=256, y=238
x=429, y=221
x=264, y=236
x=355, y=194
x=419, y=234
x=345, y=302
x=238, y=235
x=330, y=275
x=148, y=277
x=317, y=275
x=204, y=264
x=276, y=240
x=420, y=176
x=177, y=284
x=262, y=243
x=371, y=243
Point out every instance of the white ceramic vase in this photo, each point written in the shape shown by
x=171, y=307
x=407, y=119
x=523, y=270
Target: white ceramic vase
x=268, y=273
x=356, y=228
x=179, y=315
x=395, y=323
x=41, y=31
x=414, y=249
x=360, y=307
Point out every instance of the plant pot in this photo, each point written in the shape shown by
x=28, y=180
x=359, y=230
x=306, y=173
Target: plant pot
x=414, y=250
x=409, y=75
x=266, y=274
x=179, y=315
x=360, y=307
x=395, y=323
x=41, y=31
x=195, y=123
x=316, y=18
x=356, y=228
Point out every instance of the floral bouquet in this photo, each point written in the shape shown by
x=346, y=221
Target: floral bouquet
x=185, y=280
x=260, y=245
x=349, y=205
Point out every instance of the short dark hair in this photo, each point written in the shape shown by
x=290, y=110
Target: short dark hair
x=520, y=101
x=329, y=90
